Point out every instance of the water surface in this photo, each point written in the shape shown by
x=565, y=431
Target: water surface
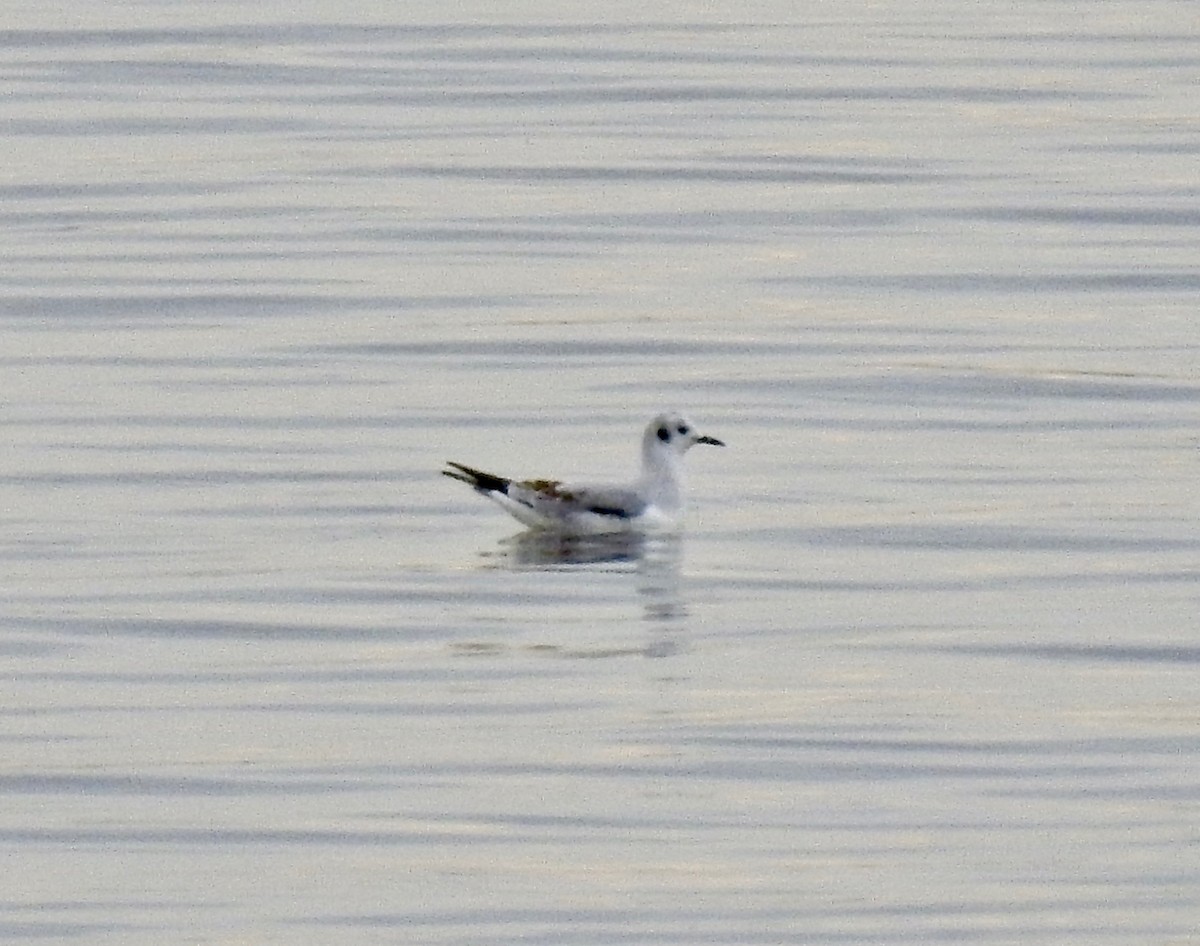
x=923, y=667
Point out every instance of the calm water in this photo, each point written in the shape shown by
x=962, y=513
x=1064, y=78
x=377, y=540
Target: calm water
x=924, y=668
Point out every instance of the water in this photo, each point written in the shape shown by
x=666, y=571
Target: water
x=924, y=666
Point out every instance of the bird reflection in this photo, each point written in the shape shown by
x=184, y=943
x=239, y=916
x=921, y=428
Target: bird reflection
x=656, y=560
x=547, y=550
x=659, y=580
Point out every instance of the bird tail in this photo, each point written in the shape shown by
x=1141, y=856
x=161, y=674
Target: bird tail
x=476, y=479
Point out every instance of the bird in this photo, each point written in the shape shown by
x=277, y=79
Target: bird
x=651, y=503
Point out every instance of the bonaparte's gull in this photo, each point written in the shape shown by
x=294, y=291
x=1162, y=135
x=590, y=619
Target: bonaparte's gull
x=652, y=502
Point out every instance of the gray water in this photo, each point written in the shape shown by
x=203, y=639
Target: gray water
x=923, y=667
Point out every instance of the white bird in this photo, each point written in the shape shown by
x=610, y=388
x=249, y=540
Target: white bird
x=652, y=502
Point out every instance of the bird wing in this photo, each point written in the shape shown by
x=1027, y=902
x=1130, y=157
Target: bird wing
x=549, y=504
x=558, y=501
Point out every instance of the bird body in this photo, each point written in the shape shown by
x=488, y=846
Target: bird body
x=652, y=502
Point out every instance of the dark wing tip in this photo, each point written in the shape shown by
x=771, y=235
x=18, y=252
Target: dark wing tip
x=461, y=477
x=477, y=479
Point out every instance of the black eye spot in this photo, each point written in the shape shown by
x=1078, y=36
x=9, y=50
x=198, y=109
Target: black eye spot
x=663, y=434
x=683, y=431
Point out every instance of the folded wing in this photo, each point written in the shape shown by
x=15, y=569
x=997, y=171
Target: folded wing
x=561, y=503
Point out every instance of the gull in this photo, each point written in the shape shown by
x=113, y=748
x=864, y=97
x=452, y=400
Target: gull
x=653, y=502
